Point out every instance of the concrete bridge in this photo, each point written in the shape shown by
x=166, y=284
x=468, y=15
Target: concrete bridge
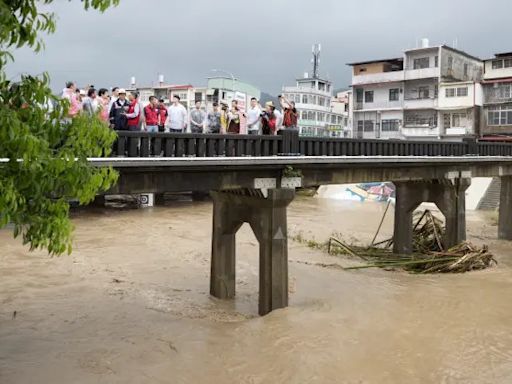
x=252, y=179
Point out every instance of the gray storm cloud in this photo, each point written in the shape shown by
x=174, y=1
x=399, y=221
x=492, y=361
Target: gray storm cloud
x=264, y=43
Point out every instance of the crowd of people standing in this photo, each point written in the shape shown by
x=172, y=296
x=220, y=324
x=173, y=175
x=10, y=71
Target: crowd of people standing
x=123, y=111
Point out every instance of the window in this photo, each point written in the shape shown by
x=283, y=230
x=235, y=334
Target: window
x=394, y=94
x=458, y=119
x=304, y=99
x=465, y=70
x=359, y=95
x=500, y=115
x=311, y=115
x=368, y=97
x=297, y=98
x=420, y=119
x=198, y=96
x=436, y=61
x=497, y=64
x=390, y=125
x=422, y=62
x=462, y=91
x=304, y=115
x=447, y=121
x=450, y=63
x=362, y=69
x=450, y=92
x=508, y=63
x=321, y=101
x=368, y=126
x=436, y=91
x=503, y=91
x=423, y=92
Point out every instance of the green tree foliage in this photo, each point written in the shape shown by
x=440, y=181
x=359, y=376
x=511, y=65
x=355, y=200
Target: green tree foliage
x=44, y=159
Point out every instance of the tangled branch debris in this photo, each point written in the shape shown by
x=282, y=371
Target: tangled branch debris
x=429, y=254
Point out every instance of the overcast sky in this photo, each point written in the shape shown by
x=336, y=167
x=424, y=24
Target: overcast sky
x=265, y=43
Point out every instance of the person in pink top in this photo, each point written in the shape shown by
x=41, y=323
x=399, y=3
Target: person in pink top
x=69, y=93
x=104, y=102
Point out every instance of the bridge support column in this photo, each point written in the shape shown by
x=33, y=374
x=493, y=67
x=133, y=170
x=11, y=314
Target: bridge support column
x=505, y=219
x=450, y=197
x=267, y=217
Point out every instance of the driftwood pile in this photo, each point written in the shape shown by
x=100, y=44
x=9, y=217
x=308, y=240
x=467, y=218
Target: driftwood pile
x=429, y=255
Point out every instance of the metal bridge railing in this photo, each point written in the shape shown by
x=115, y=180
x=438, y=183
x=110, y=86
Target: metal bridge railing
x=143, y=144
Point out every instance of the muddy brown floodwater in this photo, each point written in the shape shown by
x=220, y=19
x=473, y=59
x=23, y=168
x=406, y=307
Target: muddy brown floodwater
x=131, y=305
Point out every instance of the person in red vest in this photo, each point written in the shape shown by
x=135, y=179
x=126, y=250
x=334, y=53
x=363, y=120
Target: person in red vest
x=152, y=115
x=133, y=113
x=162, y=115
x=290, y=113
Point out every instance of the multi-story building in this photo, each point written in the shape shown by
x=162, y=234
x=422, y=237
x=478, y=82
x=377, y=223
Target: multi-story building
x=497, y=85
x=400, y=97
x=313, y=97
x=341, y=105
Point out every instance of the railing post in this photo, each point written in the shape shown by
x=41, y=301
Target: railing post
x=471, y=146
x=289, y=142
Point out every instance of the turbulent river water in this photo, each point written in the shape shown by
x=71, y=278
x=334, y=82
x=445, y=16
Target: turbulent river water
x=131, y=305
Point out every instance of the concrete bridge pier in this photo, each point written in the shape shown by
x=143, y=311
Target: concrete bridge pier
x=505, y=213
x=267, y=217
x=450, y=197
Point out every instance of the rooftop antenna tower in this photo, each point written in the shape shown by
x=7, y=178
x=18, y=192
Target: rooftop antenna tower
x=316, y=60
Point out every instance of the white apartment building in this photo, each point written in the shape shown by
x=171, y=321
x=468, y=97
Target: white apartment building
x=497, y=85
x=400, y=97
x=342, y=105
x=313, y=97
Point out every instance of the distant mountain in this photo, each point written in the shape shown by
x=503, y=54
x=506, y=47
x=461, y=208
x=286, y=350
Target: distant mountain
x=265, y=97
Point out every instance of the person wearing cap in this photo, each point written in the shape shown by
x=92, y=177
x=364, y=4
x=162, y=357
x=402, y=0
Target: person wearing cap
x=177, y=116
x=269, y=119
x=118, y=119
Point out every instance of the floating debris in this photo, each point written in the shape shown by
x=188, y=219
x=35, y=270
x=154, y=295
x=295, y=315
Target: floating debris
x=429, y=254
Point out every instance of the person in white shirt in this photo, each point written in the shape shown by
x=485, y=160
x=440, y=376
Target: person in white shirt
x=177, y=120
x=113, y=99
x=279, y=118
x=253, y=118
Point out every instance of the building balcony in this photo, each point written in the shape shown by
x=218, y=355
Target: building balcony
x=378, y=105
x=424, y=73
x=488, y=100
x=313, y=107
x=419, y=132
x=308, y=90
x=424, y=103
x=375, y=78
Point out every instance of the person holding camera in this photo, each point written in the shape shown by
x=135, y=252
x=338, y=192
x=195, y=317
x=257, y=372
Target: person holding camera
x=234, y=117
x=269, y=119
x=290, y=115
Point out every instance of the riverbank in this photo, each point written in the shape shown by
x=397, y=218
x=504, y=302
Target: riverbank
x=131, y=305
